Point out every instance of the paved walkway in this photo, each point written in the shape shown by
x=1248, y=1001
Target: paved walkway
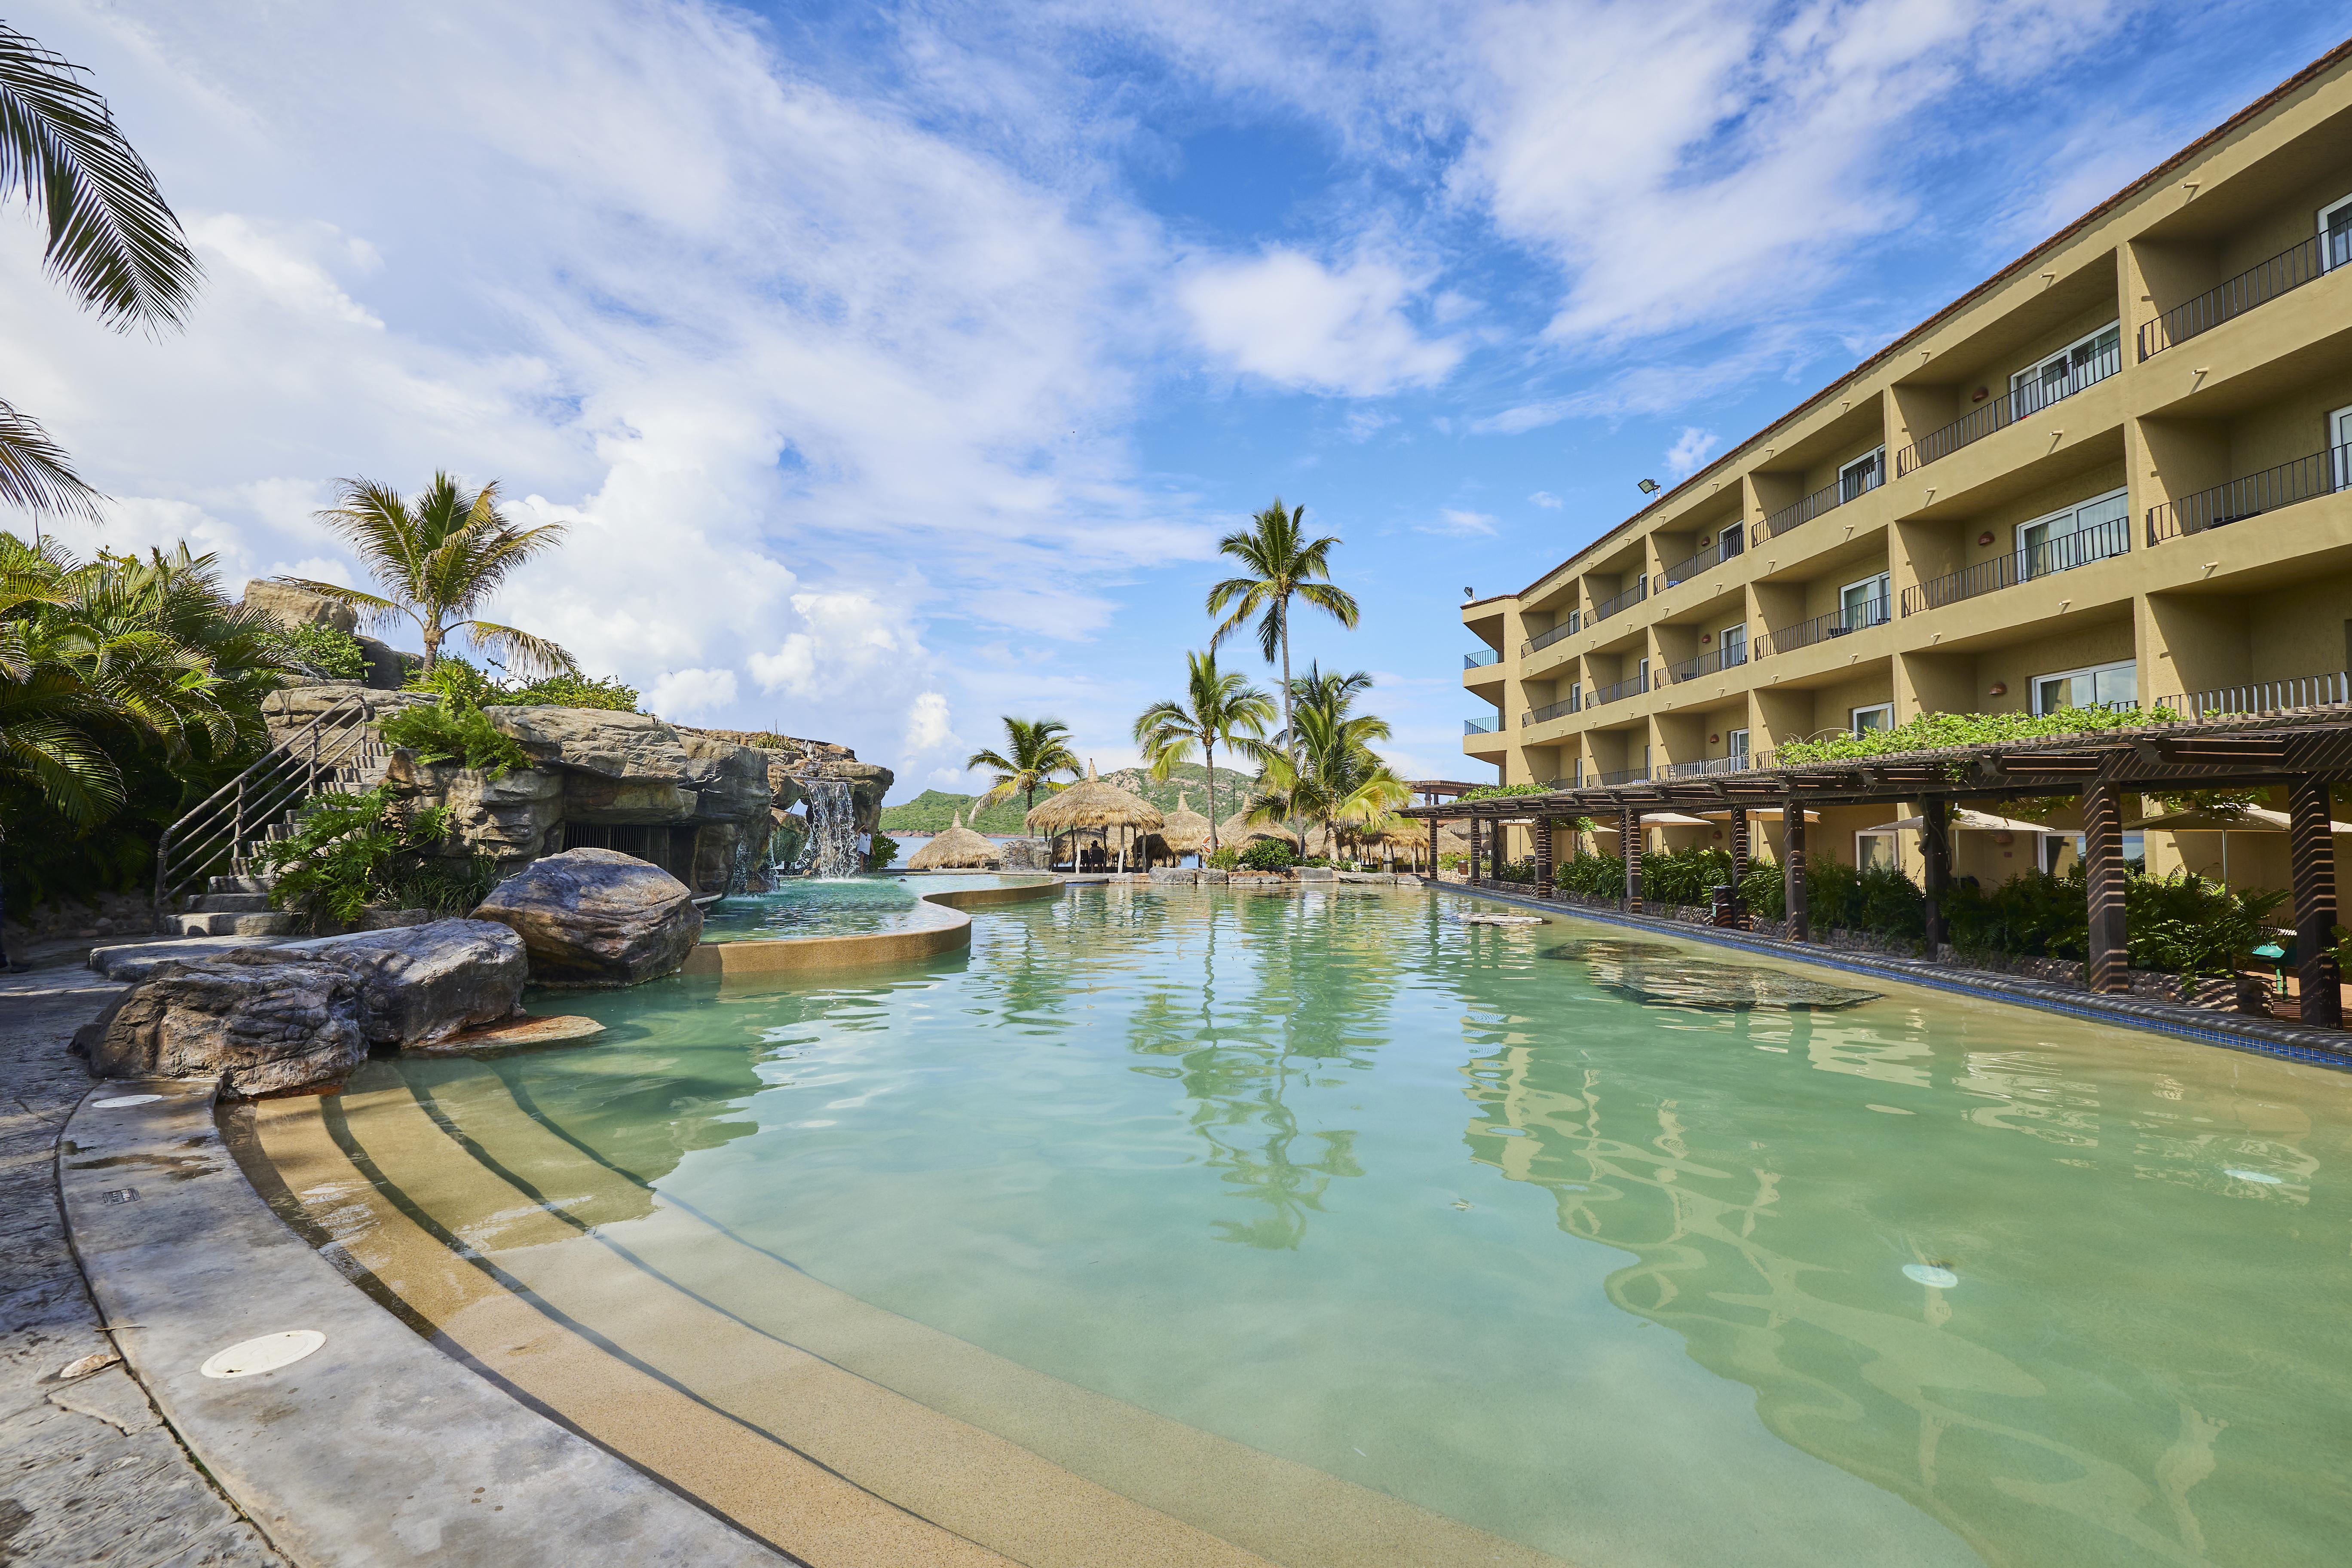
x=88, y=1472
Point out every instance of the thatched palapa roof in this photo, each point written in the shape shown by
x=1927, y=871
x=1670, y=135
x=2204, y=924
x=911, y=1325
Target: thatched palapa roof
x=1233, y=830
x=1091, y=803
x=1186, y=831
x=958, y=848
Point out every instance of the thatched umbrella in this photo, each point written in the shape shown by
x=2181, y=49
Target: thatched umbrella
x=1233, y=831
x=1092, y=803
x=958, y=846
x=1186, y=831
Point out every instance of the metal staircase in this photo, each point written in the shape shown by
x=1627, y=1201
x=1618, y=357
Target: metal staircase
x=215, y=848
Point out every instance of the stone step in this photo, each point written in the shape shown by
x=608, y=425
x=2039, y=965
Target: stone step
x=229, y=923
x=231, y=904
x=237, y=884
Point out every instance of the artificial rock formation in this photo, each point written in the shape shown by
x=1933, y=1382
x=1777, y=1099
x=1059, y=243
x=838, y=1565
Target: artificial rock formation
x=419, y=984
x=597, y=917
x=260, y=1022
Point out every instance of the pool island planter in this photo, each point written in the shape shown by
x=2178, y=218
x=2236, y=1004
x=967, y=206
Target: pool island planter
x=786, y=955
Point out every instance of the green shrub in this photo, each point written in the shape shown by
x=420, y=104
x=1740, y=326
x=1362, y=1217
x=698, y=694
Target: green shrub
x=570, y=692
x=455, y=732
x=454, y=679
x=1765, y=890
x=2033, y=915
x=2187, y=926
x=1931, y=732
x=327, y=652
x=1593, y=875
x=881, y=849
x=1520, y=871
x=351, y=849
x=1685, y=876
x=1268, y=854
x=1225, y=858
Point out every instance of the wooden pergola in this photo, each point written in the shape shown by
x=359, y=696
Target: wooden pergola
x=2304, y=751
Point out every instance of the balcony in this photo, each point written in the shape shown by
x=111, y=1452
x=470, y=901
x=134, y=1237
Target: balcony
x=1552, y=711
x=1481, y=660
x=1709, y=663
x=1472, y=727
x=2258, y=284
x=2063, y=553
x=1624, y=601
x=1727, y=543
x=2029, y=398
x=2332, y=689
x=1623, y=776
x=1604, y=695
x=1871, y=611
x=1735, y=763
x=2322, y=473
x=1829, y=498
x=1545, y=639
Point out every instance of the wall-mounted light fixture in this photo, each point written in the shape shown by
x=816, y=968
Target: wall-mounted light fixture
x=1649, y=487
x=1985, y=537
x=1714, y=740
x=1467, y=593
x=1706, y=637
x=1978, y=394
x=1998, y=689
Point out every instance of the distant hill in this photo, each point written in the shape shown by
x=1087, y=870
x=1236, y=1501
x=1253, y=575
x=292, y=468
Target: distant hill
x=931, y=811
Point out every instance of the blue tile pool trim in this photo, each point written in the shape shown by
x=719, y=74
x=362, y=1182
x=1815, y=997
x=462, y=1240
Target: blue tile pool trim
x=2260, y=1036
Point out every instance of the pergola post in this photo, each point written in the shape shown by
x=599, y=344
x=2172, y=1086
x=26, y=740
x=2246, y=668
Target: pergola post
x=1740, y=865
x=1543, y=856
x=1629, y=844
x=2311, y=857
x=2109, y=970
x=1433, y=826
x=1935, y=851
x=1474, y=850
x=1793, y=871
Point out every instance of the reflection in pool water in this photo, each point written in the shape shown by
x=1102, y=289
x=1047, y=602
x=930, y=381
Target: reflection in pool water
x=1367, y=1190
x=838, y=906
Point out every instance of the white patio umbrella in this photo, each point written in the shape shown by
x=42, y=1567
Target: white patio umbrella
x=2224, y=820
x=1973, y=821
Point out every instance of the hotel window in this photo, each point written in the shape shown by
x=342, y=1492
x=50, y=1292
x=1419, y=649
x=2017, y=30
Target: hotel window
x=2089, y=531
x=2339, y=447
x=1876, y=849
x=1863, y=604
x=2067, y=372
x=1734, y=644
x=1734, y=746
x=2100, y=686
x=2335, y=234
x=1641, y=676
x=1862, y=476
x=1862, y=720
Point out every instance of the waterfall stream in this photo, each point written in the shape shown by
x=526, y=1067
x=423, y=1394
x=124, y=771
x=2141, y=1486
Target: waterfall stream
x=833, y=829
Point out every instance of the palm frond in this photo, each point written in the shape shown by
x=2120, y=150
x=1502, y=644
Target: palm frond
x=524, y=654
x=113, y=240
x=34, y=472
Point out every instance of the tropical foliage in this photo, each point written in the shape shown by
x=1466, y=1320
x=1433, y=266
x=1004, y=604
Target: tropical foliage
x=880, y=850
x=1034, y=751
x=352, y=849
x=1934, y=731
x=113, y=242
x=325, y=653
x=1280, y=563
x=1266, y=855
x=130, y=689
x=454, y=676
x=437, y=558
x=1322, y=768
x=454, y=731
x=1219, y=708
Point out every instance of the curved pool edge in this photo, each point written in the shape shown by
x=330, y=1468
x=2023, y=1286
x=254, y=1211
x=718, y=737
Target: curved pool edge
x=378, y=1447
x=783, y=955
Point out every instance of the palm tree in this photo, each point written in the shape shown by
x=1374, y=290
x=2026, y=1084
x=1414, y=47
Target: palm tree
x=1218, y=707
x=1284, y=564
x=437, y=559
x=1334, y=694
x=113, y=241
x=1337, y=780
x=1034, y=753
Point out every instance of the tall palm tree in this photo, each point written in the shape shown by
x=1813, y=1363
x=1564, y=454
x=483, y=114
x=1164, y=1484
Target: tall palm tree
x=1339, y=779
x=437, y=558
x=1034, y=752
x=1218, y=708
x=113, y=241
x=1334, y=694
x=1283, y=564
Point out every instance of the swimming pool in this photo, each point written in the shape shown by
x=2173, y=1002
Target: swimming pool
x=1190, y=1226
x=836, y=906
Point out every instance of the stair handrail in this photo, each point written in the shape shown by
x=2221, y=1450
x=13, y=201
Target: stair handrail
x=262, y=793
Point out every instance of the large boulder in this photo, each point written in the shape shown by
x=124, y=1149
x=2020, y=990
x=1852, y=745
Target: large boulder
x=419, y=984
x=261, y=1022
x=505, y=817
x=295, y=606
x=597, y=917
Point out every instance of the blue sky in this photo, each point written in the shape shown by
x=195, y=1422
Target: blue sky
x=897, y=367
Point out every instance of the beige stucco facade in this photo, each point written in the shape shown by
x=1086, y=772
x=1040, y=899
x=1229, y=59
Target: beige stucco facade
x=1956, y=523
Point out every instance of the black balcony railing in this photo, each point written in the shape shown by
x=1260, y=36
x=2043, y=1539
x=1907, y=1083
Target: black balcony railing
x=2318, y=475
x=1829, y=498
x=1874, y=611
x=1559, y=709
x=1624, y=601
x=2257, y=285
x=1619, y=692
x=1734, y=763
x=1568, y=628
x=2332, y=689
x=1708, y=663
x=2031, y=397
x=1472, y=727
x=1623, y=776
x=2063, y=553
x=1727, y=543
x=1480, y=660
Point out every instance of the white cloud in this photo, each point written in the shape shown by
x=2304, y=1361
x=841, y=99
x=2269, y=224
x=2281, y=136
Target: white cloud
x=1362, y=424
x=1287, y=318
x=1459, y=524
x=687, y=693
x=1690, y=451
x=927, y=726
x=1545, y=499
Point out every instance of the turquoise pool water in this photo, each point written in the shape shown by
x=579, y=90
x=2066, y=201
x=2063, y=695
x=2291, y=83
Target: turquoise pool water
x=1610, y=1251
x=843, y=906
